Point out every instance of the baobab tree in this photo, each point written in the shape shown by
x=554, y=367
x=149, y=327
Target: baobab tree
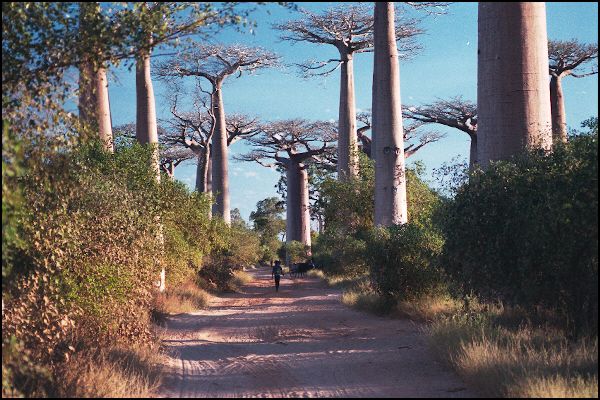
x=350, y=30
x=290, y=145
x=390, y=178
x=215, y=63
x=94, y=106
x=194, y=131
x=565, y=57
x=455, y=113
x=414, y=138
x=163, y=24
x=513, y=96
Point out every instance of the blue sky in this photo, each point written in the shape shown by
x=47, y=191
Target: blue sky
x=446, y=67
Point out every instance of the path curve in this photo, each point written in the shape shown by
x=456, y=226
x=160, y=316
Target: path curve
x=299, y=342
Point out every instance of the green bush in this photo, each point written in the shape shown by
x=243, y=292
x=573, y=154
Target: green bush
x=348, y=205
x=403, y=261
x=295, y=252
x=340, y=254
x=88, y=236
x=525, y=231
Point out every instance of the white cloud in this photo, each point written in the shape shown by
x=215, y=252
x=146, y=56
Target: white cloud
x=251, y=174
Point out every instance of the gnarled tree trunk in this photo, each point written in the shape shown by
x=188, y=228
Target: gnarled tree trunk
x=347, y=166
x=557, y=105
x=220, y=179
x=513, y=99
x=390, y=178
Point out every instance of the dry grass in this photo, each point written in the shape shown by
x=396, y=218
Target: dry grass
x=240, y=278
x=427, y=309
x=517, y=362
x=316, y=273
x=184, y=298
x=119, y=372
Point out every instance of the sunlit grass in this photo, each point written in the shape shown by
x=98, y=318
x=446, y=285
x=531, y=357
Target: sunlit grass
x=186, y=297
x=516, y=362
x=118, y=372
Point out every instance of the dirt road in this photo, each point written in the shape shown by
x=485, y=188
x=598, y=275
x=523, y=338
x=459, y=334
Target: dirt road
x=300, y=342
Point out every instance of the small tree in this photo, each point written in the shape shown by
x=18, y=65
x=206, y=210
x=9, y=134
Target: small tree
x=269, y=224
x=565, y=57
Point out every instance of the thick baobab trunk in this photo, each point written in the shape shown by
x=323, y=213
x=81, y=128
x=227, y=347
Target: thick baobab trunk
x=304, y=209
x=347, y=166
x=94, y=106
x=297, y=205
x=145, y=124
x=146, y=131
x=103, y=110
x=209, y=173
x=292, y=204
x=557, y=105
x=86, y=94
x=200, y=174
x=513, y=99
x=473, y=152
x=220, y=167
x=390, y=178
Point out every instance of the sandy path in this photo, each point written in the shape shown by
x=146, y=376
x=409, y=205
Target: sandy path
x=300, y=342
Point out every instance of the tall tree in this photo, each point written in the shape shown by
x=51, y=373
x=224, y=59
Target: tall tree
x=290, y=145
x=215, y=63
x=390, y=178
x=513, y=96
x=94, y=106
x=565, y=57
x=194, y=130
x=350, y=30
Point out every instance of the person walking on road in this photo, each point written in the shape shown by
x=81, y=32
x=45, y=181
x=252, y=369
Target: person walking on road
x=276, y=273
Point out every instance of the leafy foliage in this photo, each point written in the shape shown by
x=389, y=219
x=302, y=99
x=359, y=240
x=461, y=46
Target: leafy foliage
x=403, y=261
x=526, y=232
x=269, y=224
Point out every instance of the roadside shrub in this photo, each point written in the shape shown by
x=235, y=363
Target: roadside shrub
x=349, y=215
x=403, y=261
x=340, y=254
x=525, y=231
x=294, y=252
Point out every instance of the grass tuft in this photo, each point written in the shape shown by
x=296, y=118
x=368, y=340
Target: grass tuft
x=184, y=298
x=516, y=362
x=118, y=372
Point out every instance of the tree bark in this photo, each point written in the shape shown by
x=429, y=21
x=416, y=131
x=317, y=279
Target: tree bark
x=347, y=167
x=304, y=209
x=209, y=163
x=292, y=202
x=390, y=178
x=220, y=167
x=103, y=110
x=557, y=104
x=86, y=94
x=513, y=99
x=145, y=127
x=473, y=152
